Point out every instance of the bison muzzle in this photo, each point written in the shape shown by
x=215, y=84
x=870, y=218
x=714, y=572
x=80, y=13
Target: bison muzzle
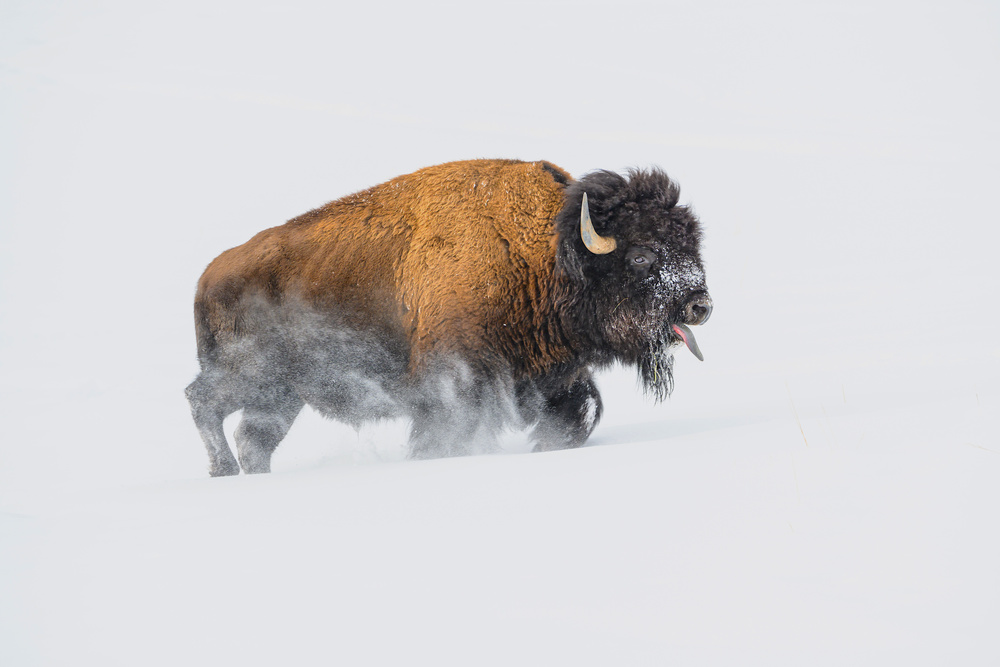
x=470, y=297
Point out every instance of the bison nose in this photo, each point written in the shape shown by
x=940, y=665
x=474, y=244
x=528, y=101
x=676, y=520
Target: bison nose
x=698, y=309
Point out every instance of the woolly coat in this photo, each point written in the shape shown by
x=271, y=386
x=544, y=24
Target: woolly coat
x=456, y=258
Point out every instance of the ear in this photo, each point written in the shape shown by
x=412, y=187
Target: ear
x=568, y=259
x=570, y=248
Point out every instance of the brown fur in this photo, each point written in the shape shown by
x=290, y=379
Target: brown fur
x=454, y=258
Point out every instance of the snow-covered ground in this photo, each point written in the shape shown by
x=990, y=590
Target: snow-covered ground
x=824, y=489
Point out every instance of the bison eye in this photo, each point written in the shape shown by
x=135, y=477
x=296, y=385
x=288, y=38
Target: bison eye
x=640, y=259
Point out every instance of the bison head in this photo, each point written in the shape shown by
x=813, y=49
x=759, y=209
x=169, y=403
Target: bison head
x=631, y=256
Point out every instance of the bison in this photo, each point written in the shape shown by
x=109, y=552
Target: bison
x=469, y=297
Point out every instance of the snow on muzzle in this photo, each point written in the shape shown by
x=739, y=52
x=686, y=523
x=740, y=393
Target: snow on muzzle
x=685, y=334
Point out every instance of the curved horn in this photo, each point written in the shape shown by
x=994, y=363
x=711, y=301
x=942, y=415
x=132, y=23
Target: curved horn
x=597, y=244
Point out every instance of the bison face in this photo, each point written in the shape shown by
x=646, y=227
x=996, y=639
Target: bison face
x=633, y=256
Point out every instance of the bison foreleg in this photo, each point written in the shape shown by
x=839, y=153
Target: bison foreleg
x=460, y=411
x=568, y=416
x=439, y=432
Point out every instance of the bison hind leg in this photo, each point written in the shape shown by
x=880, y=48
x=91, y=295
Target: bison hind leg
x=262, y=427
x=568, y=415
x=268, y=413
x=210, y=405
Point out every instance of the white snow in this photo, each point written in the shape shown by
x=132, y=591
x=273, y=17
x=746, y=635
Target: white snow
x=590, y=414
x=823, y=490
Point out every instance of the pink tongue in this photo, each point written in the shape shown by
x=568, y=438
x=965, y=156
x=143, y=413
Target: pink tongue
x=684, y=332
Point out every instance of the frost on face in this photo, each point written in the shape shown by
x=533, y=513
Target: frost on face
x=679, y=276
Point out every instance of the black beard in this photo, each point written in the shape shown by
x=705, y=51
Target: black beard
x=656, y=370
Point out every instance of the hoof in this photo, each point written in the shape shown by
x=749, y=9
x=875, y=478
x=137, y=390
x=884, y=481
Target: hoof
x=255, y=463
x=556, y=445
x=224, y=469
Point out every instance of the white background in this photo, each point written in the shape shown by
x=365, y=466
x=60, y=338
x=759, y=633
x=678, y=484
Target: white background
x=824, y=489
